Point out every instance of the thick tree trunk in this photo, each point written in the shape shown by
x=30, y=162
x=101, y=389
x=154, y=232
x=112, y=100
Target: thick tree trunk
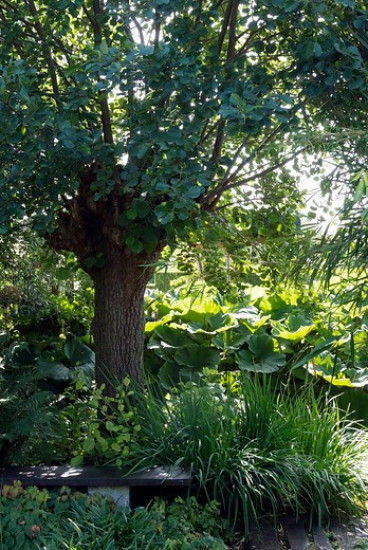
x=118, y=326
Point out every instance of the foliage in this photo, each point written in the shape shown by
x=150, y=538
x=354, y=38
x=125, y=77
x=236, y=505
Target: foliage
x=27, y=414
x=339, y=257
x=32, y=381
x=156, y=81
x=42, y=291
x=257, y=450
x=253, y=447
x=297, y=335
x=235, y=247
x=339, y=83
x=31, y=518
x=227, y=89
x=92, y=427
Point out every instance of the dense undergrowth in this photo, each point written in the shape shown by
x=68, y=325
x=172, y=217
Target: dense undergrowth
x=31, y=519
x=243, y=394
x=254, y=447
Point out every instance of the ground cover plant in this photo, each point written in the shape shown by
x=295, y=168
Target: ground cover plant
x=31, y=519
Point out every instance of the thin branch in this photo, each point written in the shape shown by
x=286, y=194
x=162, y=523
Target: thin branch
x=199, y=14
x=264, y=172
x=157, y=29
x=218, y=141
x=139, y=29
x=206, y=133
x=208, y=203
x=248, y=42
x=89, y=16
x=105, y=110
x=46, y=48
x=224, y=27
x=228, y=177
x=232, y=29
x=235, y=156
x=16, y=43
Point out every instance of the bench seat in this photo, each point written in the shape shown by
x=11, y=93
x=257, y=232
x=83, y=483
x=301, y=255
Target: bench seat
x=108, y=480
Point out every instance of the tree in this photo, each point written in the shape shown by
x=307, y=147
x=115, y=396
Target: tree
x=121, y=122
x=338, y=102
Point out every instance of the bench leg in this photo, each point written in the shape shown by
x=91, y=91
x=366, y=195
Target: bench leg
x=120, y=495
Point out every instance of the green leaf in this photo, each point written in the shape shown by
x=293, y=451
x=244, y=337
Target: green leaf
x=147, y=50
x=89, y=445
x=21, y=354
x=142, y=150
x=261, y=356
x=357, y=83
x=307, y=49
x=193, y=192
x=77, y=352
x=198, y=357
x=299, y=328
x=150, y=326
x=53, y=371
x=173, y=337
x=261, y=345
x=134, y=244
x=76, y=461
x=347, y=3
x=169, y=375
x=271, y=363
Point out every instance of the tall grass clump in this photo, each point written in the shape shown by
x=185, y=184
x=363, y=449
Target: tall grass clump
x=255, y=449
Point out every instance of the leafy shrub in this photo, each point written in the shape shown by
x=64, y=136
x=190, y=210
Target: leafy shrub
x=299, y=336
x=42, y=292
x=23, y=512
x=32, y=381
x=32, y=518
x=27, y=417
x=94, y=428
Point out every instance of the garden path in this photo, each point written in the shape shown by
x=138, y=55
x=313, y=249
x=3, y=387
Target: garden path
x=288, y=535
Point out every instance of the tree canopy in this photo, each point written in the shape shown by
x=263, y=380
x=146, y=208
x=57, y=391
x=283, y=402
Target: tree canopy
x=121, y=122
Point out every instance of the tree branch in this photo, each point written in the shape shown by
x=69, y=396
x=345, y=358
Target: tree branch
x=139, y=29
x=229, y=176
x=232, y=29
x=224, y=27
x=210, y=200
x=46, y=48
x=157, y=29
x=105, y=110
x=218, y=141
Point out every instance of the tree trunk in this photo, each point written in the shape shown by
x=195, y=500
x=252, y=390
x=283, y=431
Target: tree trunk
x=118, y=326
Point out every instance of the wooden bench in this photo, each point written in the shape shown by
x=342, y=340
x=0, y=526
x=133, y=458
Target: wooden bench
x=107, y=480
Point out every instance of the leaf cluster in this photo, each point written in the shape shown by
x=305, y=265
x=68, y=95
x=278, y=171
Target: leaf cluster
x=31, y=518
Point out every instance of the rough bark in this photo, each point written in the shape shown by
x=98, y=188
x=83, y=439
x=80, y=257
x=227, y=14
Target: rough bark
x=91, y=230
x=118, y=326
